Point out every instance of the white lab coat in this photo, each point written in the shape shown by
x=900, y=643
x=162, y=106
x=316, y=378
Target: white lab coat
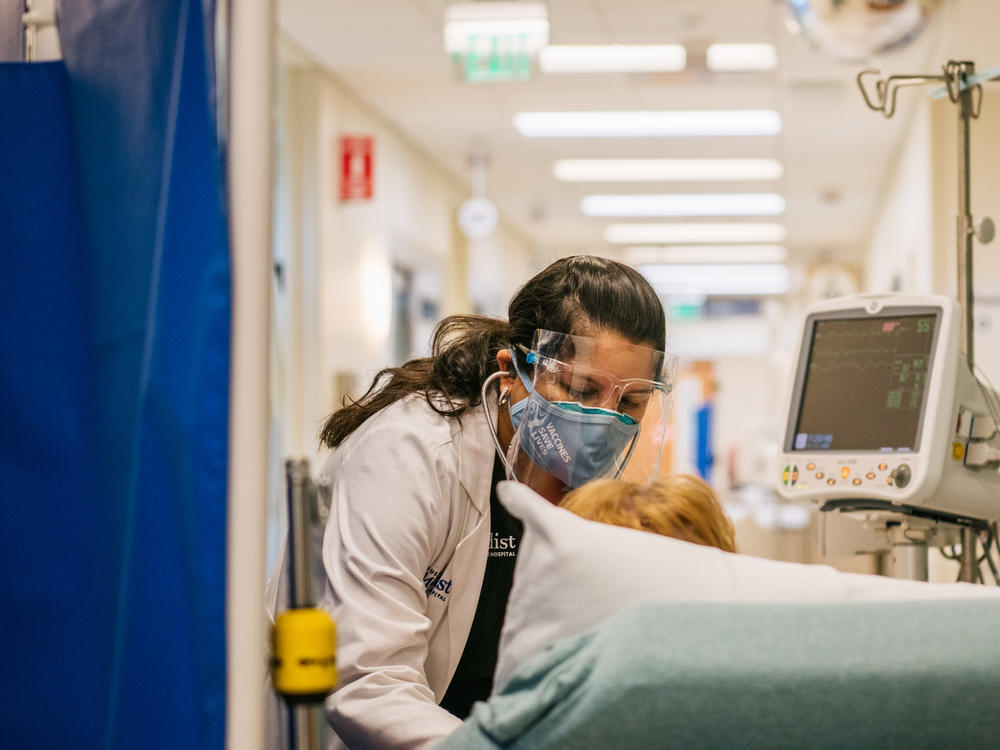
x=410, y=498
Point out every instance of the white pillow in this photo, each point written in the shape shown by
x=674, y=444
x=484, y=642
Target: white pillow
x=572, y=573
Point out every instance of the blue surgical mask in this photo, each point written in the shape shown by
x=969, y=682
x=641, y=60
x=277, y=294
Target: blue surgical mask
x=516, y=410
x=572, y=442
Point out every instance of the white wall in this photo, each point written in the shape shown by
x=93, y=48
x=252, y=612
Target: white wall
x=901, y=251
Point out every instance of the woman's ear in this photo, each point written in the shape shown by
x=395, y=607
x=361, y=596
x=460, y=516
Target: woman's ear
x=505, y=363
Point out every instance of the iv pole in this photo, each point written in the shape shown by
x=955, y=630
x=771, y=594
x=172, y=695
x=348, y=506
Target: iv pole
x=963, y=88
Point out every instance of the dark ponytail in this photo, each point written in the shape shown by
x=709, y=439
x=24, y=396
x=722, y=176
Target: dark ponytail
x=580, y=295
x=463, y=353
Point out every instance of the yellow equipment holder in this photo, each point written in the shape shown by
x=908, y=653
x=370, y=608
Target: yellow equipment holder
x=304, y=648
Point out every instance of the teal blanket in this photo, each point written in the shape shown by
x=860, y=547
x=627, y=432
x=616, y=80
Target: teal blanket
x=846, y=675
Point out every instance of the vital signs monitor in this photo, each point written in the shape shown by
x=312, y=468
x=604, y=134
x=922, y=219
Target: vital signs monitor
x=884, y=408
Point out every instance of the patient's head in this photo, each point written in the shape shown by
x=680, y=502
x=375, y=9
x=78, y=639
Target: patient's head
x=680, y=506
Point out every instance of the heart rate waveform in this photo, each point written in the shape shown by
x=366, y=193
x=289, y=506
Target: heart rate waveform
x=865, y=382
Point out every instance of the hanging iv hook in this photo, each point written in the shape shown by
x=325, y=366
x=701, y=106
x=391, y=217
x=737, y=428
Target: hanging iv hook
x=956, y=80
x=879, y=105
x=885, y=89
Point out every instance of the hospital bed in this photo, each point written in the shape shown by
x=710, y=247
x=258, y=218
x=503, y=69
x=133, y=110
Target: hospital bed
x=711, y=675
x=616, y=638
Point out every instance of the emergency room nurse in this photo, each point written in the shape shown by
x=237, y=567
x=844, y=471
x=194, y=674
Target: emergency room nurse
x=418, y=552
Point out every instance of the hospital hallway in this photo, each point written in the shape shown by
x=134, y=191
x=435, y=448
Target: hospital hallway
x=738, y=232
x=223, y=221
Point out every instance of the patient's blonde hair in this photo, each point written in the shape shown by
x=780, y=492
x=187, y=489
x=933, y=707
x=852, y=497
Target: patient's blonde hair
x=680, y=506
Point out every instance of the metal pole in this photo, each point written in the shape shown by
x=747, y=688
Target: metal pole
x=969, y=570
x=306, y=728
x=297, y=475
x=30, y=35
x=907, y=553
x=302, y=719
x=909, y=561
x=965, y=228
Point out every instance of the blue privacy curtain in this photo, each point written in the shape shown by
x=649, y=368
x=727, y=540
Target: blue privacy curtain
x=114, y=369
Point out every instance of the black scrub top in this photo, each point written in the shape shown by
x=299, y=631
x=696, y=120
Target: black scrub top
x=473, y=678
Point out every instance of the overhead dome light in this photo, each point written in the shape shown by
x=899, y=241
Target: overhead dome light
x=612, y=58
x=647, y=124
x=709, y=204
x=726, y=58
x=692, y=233
x=666, y=170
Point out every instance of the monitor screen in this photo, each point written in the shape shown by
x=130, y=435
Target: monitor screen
x=865, y=384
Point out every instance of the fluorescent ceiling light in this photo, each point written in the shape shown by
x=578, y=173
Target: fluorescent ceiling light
x=685, y=234
x=666, y=170
x=472, y=25
x=645, y=254
x=645, y=123
x=725, y=58
x=709, y=204
x=612, y=58
x=717, y=279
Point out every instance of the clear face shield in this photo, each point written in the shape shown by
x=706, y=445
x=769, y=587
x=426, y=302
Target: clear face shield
x=597, y=407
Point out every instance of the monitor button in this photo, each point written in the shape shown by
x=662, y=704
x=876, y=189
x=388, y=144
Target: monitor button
x=901, y=475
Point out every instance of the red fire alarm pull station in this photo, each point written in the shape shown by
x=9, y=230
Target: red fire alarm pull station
x=356, y=167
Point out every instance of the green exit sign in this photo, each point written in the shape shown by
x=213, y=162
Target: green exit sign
x=494, y=58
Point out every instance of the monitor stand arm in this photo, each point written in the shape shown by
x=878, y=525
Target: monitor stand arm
x=911, y=531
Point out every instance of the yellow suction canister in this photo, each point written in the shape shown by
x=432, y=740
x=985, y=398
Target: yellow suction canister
x=304, y=648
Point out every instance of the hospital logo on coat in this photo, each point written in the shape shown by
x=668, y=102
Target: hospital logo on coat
x=503, y=546
x=435, y=585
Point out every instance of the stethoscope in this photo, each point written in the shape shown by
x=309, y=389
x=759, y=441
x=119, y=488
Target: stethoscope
x=504, y=398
